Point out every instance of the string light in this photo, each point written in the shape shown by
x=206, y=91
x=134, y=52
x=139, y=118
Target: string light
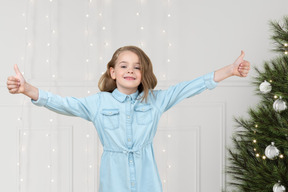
x=281, y=156
x=256, y=125
x=257, y=155
x=254, y=141
x=264, y=157
x=275, y=96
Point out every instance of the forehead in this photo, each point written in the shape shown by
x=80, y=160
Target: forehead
x=128, y=56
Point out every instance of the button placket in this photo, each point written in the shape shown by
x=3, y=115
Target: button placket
x=128, y=106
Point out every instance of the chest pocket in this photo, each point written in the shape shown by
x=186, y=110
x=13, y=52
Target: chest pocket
x=110, y=118
x=143, y=114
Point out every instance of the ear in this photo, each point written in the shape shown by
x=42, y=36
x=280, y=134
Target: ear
x=112, y=73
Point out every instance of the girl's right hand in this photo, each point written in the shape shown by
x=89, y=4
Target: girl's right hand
x=16, y=84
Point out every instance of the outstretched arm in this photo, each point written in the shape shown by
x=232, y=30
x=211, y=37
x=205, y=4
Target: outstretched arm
x=17, y=84
x=239, y=68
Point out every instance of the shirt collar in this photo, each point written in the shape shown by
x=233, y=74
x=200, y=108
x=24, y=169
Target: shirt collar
x=121, y=97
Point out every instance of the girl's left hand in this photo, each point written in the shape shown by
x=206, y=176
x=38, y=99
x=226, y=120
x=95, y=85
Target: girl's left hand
x=241, y=67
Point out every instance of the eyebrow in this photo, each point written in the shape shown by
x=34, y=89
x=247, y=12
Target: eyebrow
x=127, y=62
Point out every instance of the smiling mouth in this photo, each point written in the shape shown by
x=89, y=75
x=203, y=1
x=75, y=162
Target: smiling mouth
x=129, y=78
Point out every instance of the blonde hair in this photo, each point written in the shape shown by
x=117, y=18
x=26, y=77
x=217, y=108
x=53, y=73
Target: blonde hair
x=148, y=81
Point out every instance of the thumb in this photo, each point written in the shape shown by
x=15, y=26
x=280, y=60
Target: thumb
x=17, y=71
x=242, y=55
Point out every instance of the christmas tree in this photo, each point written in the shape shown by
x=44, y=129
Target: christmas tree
x=258, y=161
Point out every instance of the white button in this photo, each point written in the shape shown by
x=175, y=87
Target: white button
x=129, y=139
x=128, y=117
x=132, y=183
x=131, y=161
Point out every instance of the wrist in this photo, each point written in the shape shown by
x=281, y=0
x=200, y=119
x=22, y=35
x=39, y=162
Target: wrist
x=31, y=91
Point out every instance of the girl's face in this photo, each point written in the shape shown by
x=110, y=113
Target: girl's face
x=127, y=72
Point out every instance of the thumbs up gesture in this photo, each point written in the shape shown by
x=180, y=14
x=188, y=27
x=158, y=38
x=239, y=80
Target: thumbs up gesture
x=240, y=66
x=16, y=84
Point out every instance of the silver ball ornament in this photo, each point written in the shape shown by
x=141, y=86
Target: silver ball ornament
x=272, y=152
x=279, y=105
x=265, y=87
x=278, y=188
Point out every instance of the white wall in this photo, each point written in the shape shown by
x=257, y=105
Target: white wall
x=205, y=35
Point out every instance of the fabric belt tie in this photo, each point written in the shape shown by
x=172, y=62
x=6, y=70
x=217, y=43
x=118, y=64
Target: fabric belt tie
x=133, y=151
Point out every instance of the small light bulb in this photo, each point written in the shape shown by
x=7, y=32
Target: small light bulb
x=53, y=31
x=52, y=180
x=87, y=135
x=286, y=45
x=51, y=120
x=87, y=15
x=26, y=28
x=87, y=60
x=275, y=96
x=164, y=181
x=23, y=14
x=257, y=155
x=51, y=0
x=254, y=141
x=19, y=119
x=169, y=15
x=90, y=166
x=170, y=44
x=164, y=150
x=256, y=125
x=47, y=60
x=91, y=44
x=169, y=136
x=29, y=44
x=103, y=28
x=164, y=31
x=53, y=76
x=48, y=44
x=169, y=166
x=88, y=91
x=21, y=180
x=100, y=58
x=281, y=156
x=48, y=166
x=47, y=16
x=24, y=134
x=168, y=60
x=100, y=14
x=106, y=44
x=264, y=157
x=137, y=13
x=286, y=52
x=142, y=28
x=53, y=150
x=255, y=149
x=270, y=81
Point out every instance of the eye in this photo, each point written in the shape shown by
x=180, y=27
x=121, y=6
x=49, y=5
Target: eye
x=137, y=68
x=122, y=66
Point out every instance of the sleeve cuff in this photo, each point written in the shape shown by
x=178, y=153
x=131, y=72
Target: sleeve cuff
x=209, y=80
x=42, y=98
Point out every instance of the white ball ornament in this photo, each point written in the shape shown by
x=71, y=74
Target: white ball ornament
x=265, y=87
x=272, y=152
x=279, y=105
x=278, y=188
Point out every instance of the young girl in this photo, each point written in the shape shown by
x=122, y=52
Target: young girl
x=126, y=113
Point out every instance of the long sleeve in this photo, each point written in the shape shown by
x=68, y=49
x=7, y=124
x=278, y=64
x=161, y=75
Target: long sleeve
x=174, y=94
x=83, y=107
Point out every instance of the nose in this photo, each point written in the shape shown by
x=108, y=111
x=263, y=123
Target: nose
x=130, y=70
